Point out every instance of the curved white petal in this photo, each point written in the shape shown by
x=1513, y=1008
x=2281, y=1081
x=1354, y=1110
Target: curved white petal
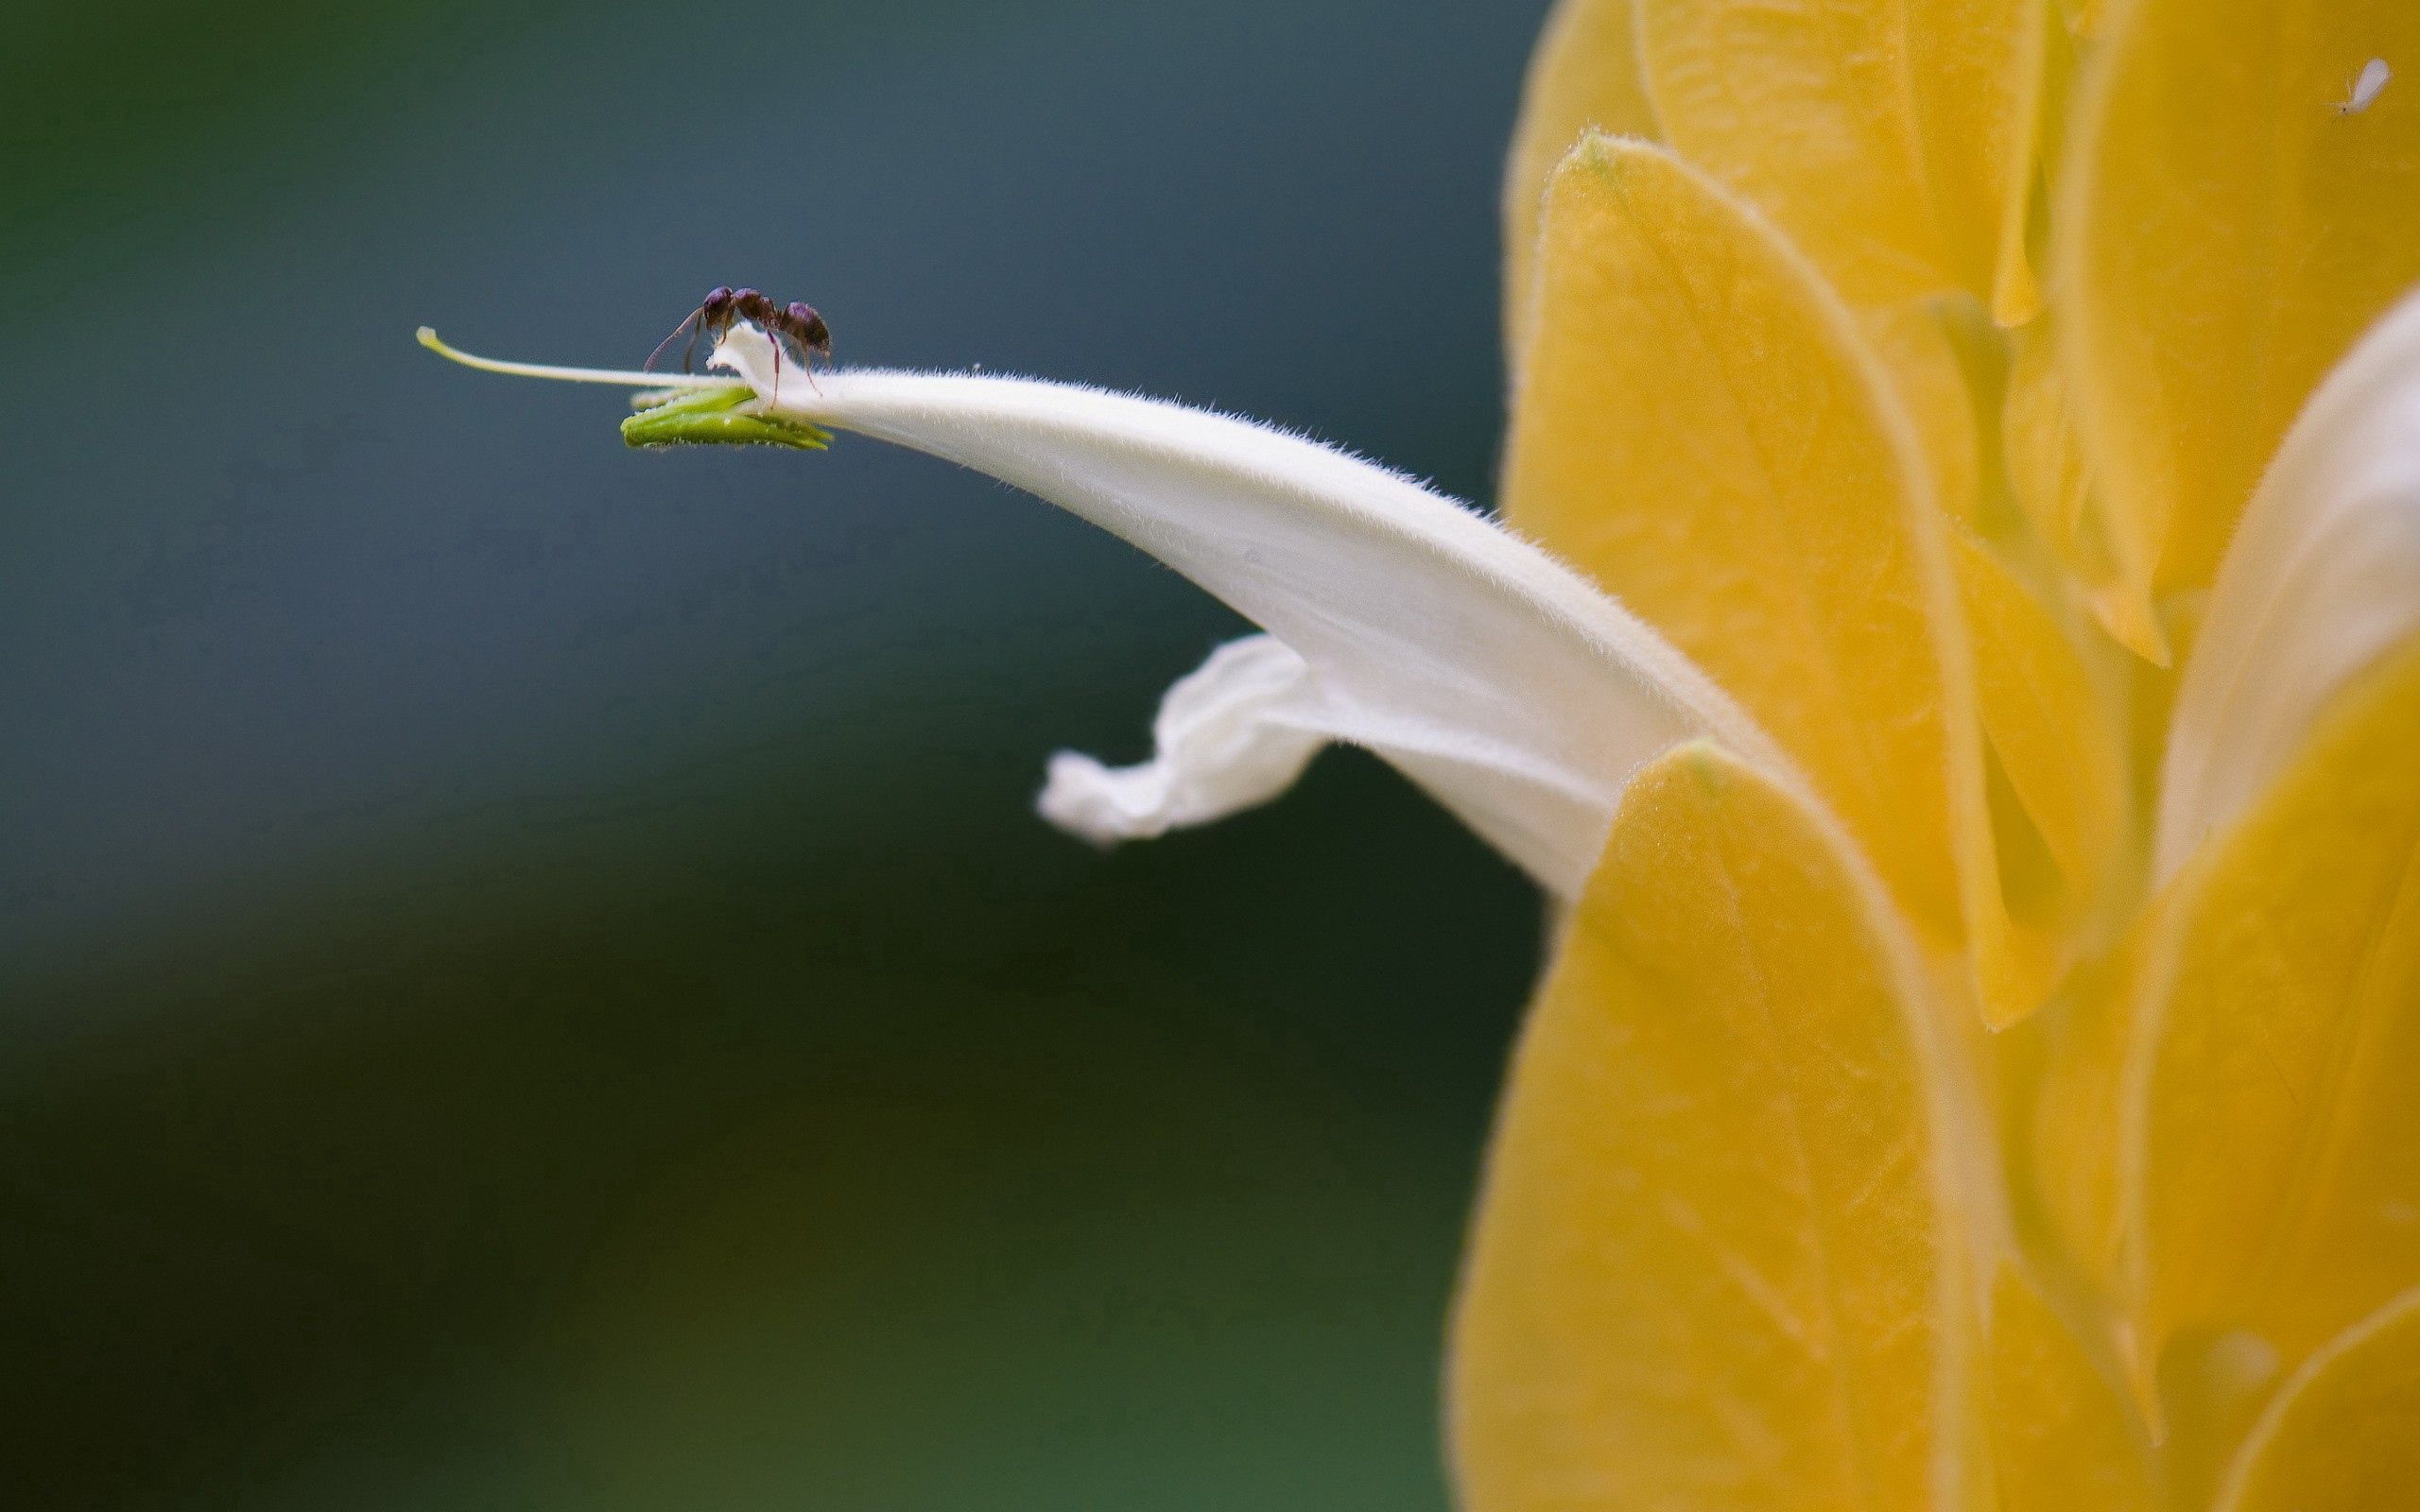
x=1495, y=676
x=1230, y=736
x=2322, y=578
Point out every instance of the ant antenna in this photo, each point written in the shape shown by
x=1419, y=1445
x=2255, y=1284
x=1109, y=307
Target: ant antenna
x=688, y=327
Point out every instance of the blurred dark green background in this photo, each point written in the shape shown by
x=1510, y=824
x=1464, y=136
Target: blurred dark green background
x=528, y=977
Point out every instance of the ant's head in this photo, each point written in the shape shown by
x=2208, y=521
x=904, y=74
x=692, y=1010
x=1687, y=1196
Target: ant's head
x=719, y=300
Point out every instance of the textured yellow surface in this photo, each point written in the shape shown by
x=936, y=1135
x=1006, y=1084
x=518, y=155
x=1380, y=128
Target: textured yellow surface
x=1584, y=77
x=2055, y=735
x=2273, y=1185
x=2224, y=234
x=2070, y=1120
x=1893, y=139
x=2345, y=1435
x=1697, y=430
x=2050, y=478
x=1713, y=1268
x=1702, y=428
x=1923, y=364
x=2062, y=1437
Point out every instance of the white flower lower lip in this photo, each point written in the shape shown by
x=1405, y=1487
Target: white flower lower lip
x=1489, y=674
x=1230, y=736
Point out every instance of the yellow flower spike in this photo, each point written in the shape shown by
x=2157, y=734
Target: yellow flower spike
x=1893, y=139
x=1584, y=77
x=2224, y=235
x=1702, y=430
x=1718, y=1263
x=2344, y=1435
x=2062, y=1437
x=2269, y=1127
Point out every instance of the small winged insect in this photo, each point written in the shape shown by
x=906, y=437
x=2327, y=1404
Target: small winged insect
x=2365, y=87
x=795, y=328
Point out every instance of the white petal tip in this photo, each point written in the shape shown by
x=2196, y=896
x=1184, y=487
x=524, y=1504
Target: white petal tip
x=1099, y=805
x=1231, y=735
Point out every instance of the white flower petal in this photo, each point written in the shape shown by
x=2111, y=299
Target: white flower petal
x=2322, y=578
x=1495, y=676
x=1231, y=735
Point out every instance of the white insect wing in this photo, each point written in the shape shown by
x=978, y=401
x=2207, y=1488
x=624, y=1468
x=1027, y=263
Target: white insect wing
x=2365, y=89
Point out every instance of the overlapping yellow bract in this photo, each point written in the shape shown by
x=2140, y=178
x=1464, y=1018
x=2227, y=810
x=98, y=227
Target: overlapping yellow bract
x=2062, y=1437
x=2224, y=235
x=2340, y=1437
x=1716, y=1266
x=1697, y=431
x=2049, y=477
x=2052, y=731
x=1893, y=139
x=2064, y=1144
x=1705, y=430
x=1922, y=361
x=2279, y=1023
x=1584, y=79
x=1913, y=139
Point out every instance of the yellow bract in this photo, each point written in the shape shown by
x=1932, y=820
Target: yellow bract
x=1893, y=139
x=1917, y=352
x=1714, y=1266
x=1583, y=77
x=2052, y=732
x=2341, y=1436
x=2063, y=1147
x=1697, y=433
x=2273, y=1185
x=1702, y=430
x=2051, y=481
x=2062, y=1437
x=2224, y=234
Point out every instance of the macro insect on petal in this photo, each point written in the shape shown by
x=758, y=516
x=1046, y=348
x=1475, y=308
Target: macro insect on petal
x=2366, y=88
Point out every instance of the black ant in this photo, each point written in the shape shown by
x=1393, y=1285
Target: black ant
x=795, y=328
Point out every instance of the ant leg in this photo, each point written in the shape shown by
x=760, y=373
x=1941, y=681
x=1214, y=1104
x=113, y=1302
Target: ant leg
x=777, y=371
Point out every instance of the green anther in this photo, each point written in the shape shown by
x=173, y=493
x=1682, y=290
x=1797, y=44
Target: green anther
x=719, y=417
